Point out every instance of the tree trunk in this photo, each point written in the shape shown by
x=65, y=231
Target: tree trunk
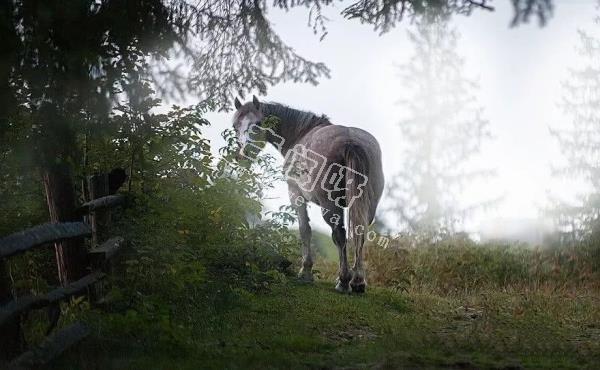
x=10, y=333
x=71, y=256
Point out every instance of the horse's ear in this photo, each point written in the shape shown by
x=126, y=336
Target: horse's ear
x=237, y=103
x=255, y=102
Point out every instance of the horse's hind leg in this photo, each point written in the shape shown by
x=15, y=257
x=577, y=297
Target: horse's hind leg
x=358, y=282
x=335, y=219
x=299, y=204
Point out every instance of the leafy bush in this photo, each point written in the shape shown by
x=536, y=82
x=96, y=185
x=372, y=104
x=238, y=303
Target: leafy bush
x=191, y=247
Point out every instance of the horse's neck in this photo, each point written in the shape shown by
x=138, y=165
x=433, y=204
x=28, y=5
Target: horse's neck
x=291, y=135
x=293, y=125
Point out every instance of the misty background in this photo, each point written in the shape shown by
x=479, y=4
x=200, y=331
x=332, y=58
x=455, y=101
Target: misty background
x=520, y=72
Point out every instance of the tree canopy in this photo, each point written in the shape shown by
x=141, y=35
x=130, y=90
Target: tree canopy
x=52, y=49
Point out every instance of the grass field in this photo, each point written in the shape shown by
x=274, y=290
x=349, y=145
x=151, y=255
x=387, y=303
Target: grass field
x=295, y=326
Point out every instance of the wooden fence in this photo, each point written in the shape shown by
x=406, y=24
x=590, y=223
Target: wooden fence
x=96, y=218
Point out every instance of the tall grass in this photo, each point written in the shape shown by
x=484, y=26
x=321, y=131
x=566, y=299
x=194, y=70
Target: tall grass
x=459, y=265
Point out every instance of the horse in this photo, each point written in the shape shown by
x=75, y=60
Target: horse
x=333, y=166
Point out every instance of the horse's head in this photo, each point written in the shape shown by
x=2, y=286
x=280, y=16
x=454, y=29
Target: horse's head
x=246, y=122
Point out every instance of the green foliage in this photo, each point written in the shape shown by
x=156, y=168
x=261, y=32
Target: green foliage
x=150, y=145
x=198, y=239
x=193, y=243
x=21, y=187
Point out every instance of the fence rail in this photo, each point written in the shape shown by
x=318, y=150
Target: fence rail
x=41, y=235
x=103, y=202
x=26, y=303
x=51, y=347
x=100, y=255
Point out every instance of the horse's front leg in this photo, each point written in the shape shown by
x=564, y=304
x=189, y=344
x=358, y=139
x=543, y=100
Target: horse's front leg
x=299, y=204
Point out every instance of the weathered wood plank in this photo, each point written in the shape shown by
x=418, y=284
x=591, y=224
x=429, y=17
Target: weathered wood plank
x=109, y=248
x=107, y=201
x=40, y=235
x=26, y=303
x=51, y=347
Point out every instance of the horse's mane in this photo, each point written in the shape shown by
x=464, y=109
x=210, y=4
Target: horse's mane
x=303, y=120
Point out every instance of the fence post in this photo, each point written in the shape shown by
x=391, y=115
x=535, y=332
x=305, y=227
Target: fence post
x=10, y=333
x=71, y=255
x=99, y=220
x=98, y=188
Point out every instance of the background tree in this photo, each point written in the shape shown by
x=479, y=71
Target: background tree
x=524, y=9
x=444, y=130
x=580, y=143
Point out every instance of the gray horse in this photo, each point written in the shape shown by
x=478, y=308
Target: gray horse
x=333, y=166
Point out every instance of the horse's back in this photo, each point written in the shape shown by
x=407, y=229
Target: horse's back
x=334, y=142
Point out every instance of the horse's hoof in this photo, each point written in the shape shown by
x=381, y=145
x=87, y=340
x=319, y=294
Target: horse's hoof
x=361, y=288
x=342, y=288
x=358, y=285
x=305, y=277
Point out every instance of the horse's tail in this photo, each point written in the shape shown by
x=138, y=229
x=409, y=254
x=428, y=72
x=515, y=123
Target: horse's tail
x=357, y=195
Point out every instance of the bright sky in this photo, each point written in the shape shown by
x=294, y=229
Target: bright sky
x=519, y=71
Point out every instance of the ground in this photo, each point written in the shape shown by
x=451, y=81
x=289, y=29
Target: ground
x=310, y=326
